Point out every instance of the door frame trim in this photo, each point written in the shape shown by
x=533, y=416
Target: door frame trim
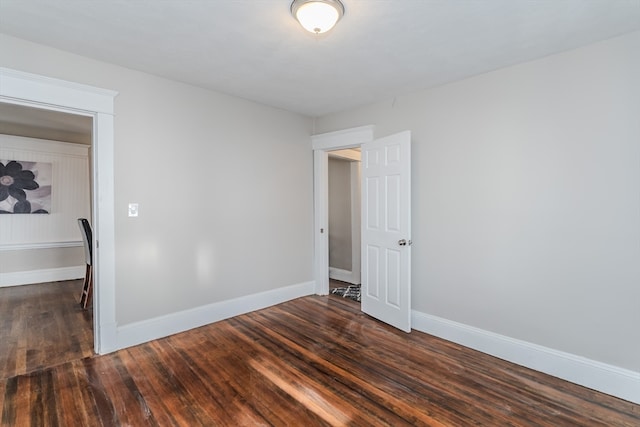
x=321, y=145
x=21, y=88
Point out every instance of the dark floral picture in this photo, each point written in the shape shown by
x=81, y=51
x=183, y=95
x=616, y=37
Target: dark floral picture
x=25, y=187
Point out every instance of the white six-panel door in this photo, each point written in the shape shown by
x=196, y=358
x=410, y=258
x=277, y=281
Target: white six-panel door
x=386, y=229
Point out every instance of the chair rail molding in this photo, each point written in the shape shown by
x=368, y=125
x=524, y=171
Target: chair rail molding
x=39, y=245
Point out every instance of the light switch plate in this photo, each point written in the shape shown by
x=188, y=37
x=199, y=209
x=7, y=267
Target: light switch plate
x=133, y=209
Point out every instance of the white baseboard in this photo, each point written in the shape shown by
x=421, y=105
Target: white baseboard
x=159, y=327
x=106, y=341
x=41, y=276
x=342, y=275
x=599, y=376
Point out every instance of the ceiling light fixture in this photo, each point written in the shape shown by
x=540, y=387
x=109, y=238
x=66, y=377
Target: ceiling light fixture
x=317, y=16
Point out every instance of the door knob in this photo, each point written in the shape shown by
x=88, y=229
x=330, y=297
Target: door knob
x=402, y=242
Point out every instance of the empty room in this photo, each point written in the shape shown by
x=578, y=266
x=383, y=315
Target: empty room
x=168, y=184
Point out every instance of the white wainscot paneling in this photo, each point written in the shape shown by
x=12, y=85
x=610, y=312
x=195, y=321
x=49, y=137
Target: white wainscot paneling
x=70, y=197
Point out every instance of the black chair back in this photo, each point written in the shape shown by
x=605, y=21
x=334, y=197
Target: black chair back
x=87, y=237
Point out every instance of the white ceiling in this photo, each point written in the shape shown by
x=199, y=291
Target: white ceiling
x=254, y=49
x=19, y=115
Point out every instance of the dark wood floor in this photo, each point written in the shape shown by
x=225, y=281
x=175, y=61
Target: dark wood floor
x=42, y=326
x=308, y=362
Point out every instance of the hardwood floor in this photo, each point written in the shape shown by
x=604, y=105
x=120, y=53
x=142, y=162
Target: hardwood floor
x=308, y=362
x=42, y=326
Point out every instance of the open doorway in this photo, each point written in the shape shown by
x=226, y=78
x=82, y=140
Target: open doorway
x=20, y=88
x=344, y=223
x=43, y=255
x=323, y=145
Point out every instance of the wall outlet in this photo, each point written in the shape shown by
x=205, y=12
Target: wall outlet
x=133, y=209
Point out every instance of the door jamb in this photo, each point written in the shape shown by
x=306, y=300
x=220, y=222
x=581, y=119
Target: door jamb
x=321, y=145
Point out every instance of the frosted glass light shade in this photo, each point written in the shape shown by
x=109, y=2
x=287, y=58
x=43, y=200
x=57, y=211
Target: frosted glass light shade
x=317, y=16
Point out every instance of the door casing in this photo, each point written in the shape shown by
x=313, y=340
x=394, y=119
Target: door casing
x=322, y=144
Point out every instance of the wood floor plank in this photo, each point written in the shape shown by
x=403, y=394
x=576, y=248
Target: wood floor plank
x=364, y=361
x=314, y=361
x=22, y=414
x=127, y=405
x=236, y=371
x=71, y=407
x=324, y=367
x=42, y=325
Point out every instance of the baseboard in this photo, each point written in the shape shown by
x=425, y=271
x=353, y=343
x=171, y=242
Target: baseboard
x=342, y=275
x=599, y=376
x=41, y=276
x=106, y=340
x=159, y=327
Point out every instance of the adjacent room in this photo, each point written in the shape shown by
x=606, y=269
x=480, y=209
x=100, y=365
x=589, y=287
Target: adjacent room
x=469, y=169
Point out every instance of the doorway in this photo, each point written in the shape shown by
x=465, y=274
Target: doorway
x=322, y=145
x=40, y=298
x=344, y=215
x=41, y=92
x=386, y=216
x=344, y=223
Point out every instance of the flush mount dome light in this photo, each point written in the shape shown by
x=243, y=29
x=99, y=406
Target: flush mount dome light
x=317, y=16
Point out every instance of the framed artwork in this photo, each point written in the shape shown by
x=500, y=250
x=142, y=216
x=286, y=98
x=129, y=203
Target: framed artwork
x=25, y=187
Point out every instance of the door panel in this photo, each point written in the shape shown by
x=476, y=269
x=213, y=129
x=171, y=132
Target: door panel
x=386, y=264
x=372, y=272
x=372, y=220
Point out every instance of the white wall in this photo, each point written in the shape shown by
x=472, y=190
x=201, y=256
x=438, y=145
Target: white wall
x=224, y=187
x=339, y=214
x=526, y=199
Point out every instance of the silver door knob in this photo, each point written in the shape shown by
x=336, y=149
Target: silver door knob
x=402, y=242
